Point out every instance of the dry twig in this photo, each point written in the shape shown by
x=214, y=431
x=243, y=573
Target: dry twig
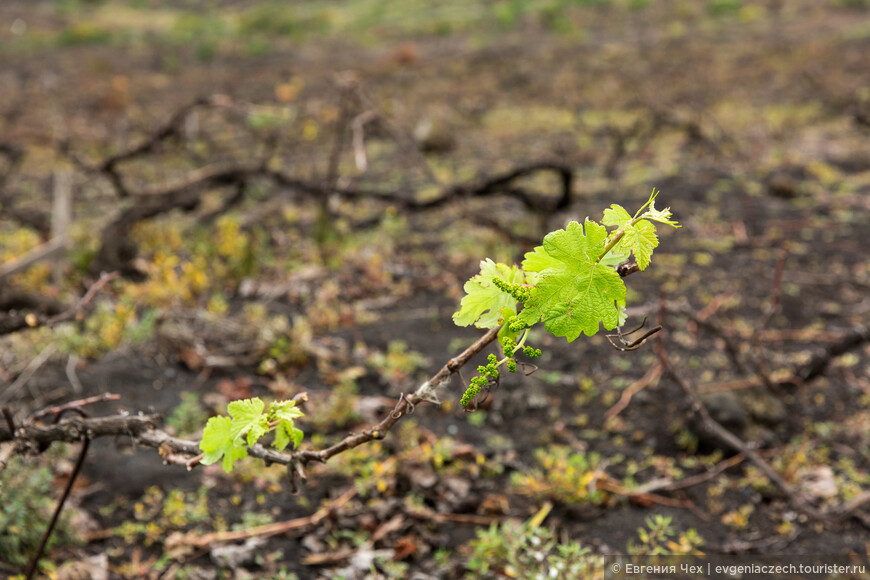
x=32, y=437
x=725, y=436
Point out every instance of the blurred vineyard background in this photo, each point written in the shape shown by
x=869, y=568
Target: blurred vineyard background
x=291, y=196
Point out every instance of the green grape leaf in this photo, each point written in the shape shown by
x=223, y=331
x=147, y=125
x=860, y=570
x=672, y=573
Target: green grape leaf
x=248, y=419
x=284, y=411
x=218, y=442
x=616, y=216
x=661, y=216
x=639, y=237
x=642, y=239
x=483, y=301
x=285, y=431
x=615, y=256
x=296, y=436
x=539, y=260
x=577, y=293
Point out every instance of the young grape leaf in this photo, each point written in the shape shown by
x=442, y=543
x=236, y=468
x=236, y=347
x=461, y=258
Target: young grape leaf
x=642, y=239
x=483, y=301
x=218, y=442
x=284, y=411
x=285, y=431
x=538, y=260
x=576, y=293
x=638, y=238
x=661, y=216
x=248, y=419
x=616, y=216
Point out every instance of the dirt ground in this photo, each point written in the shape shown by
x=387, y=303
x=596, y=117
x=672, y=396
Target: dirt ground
x=752, y=118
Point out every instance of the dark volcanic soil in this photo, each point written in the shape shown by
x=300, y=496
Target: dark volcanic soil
x=753, y=124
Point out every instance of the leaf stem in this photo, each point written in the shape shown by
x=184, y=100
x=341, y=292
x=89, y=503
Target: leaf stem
x=618, y=236
x=651, y=199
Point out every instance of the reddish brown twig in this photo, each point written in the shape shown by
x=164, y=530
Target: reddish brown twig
x=31, y=320
x=442, y=518
x=759, y=356
x=651, y=377
x=75, y=405
x=640, y=498
x=426, y=392
x=707, y=475
x=195, y=540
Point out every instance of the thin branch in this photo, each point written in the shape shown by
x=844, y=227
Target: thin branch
x=707, y=475
x=143, y=429
x=45, y=251
x=444, y=518
x=426, y=392
x=651, y=378
x=18, y=321
x=727, y=437
x=86, y=442
x=195, y=540
x=817, y=365
x=75, y=404
x=70, y=314
x=759, y=356
x=28, y=372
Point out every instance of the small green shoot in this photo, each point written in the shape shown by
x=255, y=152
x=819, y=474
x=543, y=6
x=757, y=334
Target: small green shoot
x=569, y=283
x=227, y=439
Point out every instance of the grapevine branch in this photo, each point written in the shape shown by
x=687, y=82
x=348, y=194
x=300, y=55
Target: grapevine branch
x=195, y=540
x=736, y=443
x=405, y=405
x=117, y=250
x=817, y=365
x=14, y=321
x=34, y=438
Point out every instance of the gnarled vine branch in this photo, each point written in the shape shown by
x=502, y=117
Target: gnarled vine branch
x=33, y=438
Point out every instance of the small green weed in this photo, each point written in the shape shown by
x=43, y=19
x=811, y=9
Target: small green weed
x=157, y=513
x=660, y=538
x=528, y=550
x=189, y=416
x=564, y=476
x=27, y=508
x=84, y=33
x=106, y=329
x=280, y=19
x=398, y=364
x=724, y=7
